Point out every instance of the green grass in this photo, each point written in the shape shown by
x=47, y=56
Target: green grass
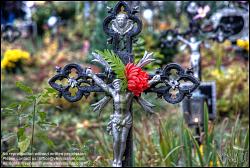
x=159, y=140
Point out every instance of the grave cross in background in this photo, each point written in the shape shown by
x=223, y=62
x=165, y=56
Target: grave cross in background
x=122, y=26
x=227, y=23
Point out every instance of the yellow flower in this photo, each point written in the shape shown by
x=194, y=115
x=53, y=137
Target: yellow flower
x=201, y=150
x=11, y=57
x=243, y=44
x=216, y=164
x=227, y=43
x=211, y=162
x=216, y=73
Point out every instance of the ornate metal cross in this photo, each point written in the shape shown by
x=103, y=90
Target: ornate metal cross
x=122, y=26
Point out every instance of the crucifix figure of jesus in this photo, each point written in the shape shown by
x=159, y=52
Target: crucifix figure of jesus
x=194, y=46
x=121, y=120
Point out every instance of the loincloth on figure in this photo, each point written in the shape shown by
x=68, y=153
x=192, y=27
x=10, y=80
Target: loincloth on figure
x=195, y=57
x=119, y=121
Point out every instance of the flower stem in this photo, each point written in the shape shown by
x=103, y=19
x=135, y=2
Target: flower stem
x=33, y=130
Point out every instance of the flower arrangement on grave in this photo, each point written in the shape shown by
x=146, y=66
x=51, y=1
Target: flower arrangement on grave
x=133, y=77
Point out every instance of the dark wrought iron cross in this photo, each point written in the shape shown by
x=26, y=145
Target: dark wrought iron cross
x=122, y=26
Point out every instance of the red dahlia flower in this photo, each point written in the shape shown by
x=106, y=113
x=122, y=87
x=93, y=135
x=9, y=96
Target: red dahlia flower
x=137, y=79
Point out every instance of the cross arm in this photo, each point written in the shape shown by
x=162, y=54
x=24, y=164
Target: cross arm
x=183, y=40
x=84, y=84
x=174, y=78
x=99, y=82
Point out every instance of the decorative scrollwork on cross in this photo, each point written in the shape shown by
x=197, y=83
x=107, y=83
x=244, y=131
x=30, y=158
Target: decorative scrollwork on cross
x=229, y=23
x=122, y=25
x=172, y=81
x=82, y=82
x=168, y=38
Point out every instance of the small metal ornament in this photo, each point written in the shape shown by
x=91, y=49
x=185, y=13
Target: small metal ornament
x=122, y=25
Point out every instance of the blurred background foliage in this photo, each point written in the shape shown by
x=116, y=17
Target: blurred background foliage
x=159, y=140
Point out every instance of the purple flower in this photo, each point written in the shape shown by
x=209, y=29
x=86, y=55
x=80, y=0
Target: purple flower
x=202, y=12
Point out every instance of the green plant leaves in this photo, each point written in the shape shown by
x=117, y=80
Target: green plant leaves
x=207, y=138
x=172, y=151
x=116, y=65
x=20, y=134
x=43, y=137
x=169, y=144
x=42, y=116
x=187, y=148
x=197, y=148
x=114, y=61
x=246, y=144
x=23, y=145
x=24, y=87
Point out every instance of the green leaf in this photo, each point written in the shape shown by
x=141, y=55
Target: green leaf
x=7, y=109
x=20, y=134
x=42, y=116
x=23, y=145
x=197, y=148
x=116, y=65
x=50, y=90
x=187, y=148
x=219, y=159
x=24, y=87
x=43, y=137
x=207, y=139
x=31, y=97
x=246, y=144
x=39, y=98
x=13, y=105
x=25, y=104
x=172, y=151
x=190, y=157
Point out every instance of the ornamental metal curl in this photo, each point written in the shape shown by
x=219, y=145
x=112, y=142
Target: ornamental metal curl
x=163, y=87
x=230, y=23
x=122, y=25
x=82, y=82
